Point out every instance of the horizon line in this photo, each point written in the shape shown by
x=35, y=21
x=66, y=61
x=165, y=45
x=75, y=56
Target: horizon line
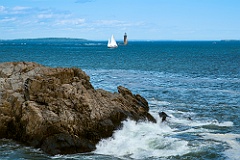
x=84, y=39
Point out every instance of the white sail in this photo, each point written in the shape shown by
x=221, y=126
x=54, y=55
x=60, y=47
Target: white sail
x=112, y=43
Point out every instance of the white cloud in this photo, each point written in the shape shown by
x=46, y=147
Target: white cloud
x=109, y=22
x=76, y=21
x=117, y=23
x=7, y=19
x=2, y=8
x=14, y=10
x=20, y=8
x=83, y=1
x=45, y=16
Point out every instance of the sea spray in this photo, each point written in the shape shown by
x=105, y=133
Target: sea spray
x=143, y=140
x=146, y=140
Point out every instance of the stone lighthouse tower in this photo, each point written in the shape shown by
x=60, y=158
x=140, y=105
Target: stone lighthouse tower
x=125, y=39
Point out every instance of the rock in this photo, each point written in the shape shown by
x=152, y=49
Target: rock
x=59, y=111
x=163, y=115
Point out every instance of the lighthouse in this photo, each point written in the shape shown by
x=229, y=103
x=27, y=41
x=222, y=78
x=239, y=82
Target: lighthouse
x=125, y=39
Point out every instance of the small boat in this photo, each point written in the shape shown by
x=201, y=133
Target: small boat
x=112, y=43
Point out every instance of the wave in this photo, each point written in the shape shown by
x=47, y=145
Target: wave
x=142, y=140
x=233, y=146
x=164, y=139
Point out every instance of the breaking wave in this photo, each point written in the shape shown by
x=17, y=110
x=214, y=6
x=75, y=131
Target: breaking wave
x=175, y=137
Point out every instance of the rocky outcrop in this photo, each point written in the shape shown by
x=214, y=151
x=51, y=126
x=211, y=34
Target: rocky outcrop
x=58, y=110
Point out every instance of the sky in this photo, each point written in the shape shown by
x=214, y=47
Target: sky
x=140, y=19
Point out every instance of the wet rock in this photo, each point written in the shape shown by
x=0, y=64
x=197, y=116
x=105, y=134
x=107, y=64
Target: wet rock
x=59, y=111
x=163, y=115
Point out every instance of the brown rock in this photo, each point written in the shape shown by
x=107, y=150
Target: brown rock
x=58, y=110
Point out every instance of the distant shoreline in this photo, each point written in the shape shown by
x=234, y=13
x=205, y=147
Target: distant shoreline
x=44, y=39
x=50, y=39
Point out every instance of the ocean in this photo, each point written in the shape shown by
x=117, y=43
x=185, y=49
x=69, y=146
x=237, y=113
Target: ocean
x=197, y=83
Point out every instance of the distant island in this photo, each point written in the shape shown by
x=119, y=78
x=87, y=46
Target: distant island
x=47, y=39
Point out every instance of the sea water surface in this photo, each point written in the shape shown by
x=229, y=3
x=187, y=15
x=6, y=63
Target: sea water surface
x=196, y=83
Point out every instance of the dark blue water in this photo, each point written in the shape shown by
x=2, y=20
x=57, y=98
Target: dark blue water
x=200, y=80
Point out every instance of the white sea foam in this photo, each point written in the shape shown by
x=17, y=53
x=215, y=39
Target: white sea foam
x=163, y=139
x=195, y=123
x=233, y=152
x=143, y=140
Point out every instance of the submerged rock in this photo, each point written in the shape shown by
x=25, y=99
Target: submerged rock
x=59, y=111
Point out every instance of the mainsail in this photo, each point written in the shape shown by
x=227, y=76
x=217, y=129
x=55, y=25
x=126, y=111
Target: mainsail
x=112, y=43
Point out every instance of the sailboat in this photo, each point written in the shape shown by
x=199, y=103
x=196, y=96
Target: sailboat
x=112, y=43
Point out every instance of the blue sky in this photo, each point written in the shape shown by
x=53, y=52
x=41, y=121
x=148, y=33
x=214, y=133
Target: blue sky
x=140, y=19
